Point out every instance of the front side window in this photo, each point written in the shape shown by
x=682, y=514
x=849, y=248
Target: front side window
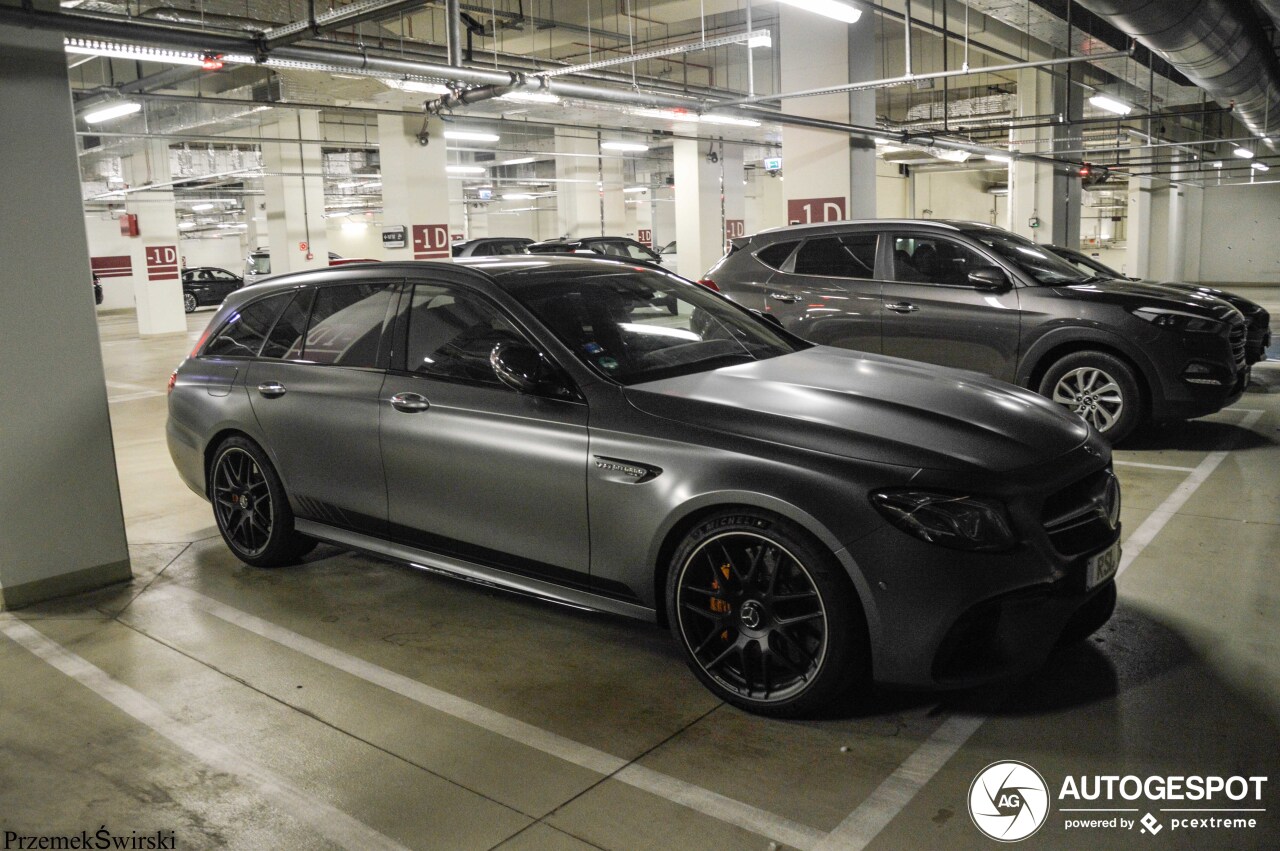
x=849, y=256
x=247, y=327
x=1042, y=265
x=930, y=260
x=346, y=324
x=452, y=333
x=637, y=324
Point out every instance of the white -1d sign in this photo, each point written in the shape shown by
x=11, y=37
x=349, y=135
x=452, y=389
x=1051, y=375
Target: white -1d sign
x=396, y=237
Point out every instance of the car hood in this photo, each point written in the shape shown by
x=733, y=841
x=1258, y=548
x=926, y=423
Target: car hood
x=872, y=408
x=1148, y=294
x=1244, y=305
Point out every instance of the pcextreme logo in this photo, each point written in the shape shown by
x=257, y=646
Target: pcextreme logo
x=1008, y=801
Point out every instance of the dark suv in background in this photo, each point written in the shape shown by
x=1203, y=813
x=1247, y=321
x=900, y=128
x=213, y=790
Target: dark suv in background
x=974, y=296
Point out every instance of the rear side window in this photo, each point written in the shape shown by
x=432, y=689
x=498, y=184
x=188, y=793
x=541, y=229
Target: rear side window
x=850, y=256
x=285, y=340
x=244, y=332
x=346, y=324
x=774, y=256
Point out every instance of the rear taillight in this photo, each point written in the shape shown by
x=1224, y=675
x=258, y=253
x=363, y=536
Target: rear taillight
x=173, y=379
x=709, y=284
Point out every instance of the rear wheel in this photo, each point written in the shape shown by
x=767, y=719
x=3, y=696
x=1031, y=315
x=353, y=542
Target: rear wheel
x=250, y=507
x=189, y=303
x=765, y=616
x=1099, y=387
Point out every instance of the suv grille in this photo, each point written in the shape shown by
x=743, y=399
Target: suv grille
x=1083, y=516
x=1237, y=346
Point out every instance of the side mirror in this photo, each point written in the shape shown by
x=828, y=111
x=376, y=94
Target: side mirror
x=518, y=366
x=990, y=278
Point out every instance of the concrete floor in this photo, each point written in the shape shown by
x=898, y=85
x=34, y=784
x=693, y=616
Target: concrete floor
x=355, y=703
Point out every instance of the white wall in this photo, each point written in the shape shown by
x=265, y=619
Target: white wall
x=346, y=240
x=105, y=241
x=225, y=252
x=955, y=195
x=1238, y=241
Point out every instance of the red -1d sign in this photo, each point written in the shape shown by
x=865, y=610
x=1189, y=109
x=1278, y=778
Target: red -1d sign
x=734, y=228
x=804, y=211
x=430, y=242
x=162, y=262
x=644, y=236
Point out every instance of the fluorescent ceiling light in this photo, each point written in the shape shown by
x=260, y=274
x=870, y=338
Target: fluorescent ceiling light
x=1243, y=153
x=681, y=115
x=765, y=40
x=200, y=208
x=352, y=225
x=116, y=110
x=186, y=225
x=1111, y=104
x=636, y=189
x=470, y=136
x=517, y=196
x=465, y=169
x=1260, y=166
x=715, y=118
x=623, y=146
x=519, y=161
x=1217, y=163
x=531, y=97
x=953, y=156
x=830, y=8
x=998, y=158
x=419, y=87
x=91, y=47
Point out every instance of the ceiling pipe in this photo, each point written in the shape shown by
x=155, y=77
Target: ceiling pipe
x=453, y=29
x=345, y=16
x=1217, y=44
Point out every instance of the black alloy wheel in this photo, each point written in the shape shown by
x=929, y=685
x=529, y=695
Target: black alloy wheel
x=251, y=509
x=189, y=303
x=765, y=620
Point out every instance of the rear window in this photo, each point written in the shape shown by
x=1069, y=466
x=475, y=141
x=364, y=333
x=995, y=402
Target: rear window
x=346, y=324
x=247, y=327
x=775, y=255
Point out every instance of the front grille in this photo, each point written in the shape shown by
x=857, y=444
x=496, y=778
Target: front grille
x=1237, y=346
x=1083, y=516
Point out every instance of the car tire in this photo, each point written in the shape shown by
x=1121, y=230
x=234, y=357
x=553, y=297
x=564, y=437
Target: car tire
x=251, y=508
x=1090, y=617
x=1099, y=387
x=766, y=617
x=189, y=303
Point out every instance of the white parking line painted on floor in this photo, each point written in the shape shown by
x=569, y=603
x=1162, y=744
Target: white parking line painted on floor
x=882, y=805
x=132, y=397
x=866, y=822
x=725, y=809
x=1146, y=533
x=1147, y=466
x=333, y=824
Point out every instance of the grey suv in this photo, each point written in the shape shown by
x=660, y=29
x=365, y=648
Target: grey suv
x=973, y=296
x=804, y=518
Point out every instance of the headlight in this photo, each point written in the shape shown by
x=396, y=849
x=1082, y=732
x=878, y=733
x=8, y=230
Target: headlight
x=1178, y=320
x=958, y=521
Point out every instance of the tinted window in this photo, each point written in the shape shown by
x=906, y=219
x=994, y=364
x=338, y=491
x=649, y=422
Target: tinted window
x=285, y=340
x=346, y=324
x=245, y=330
x=509, y=248
x=452, y=333
x=1045, y=267
x=927, y=260
x=638, y=252
x=849, y=256
x=775, y=255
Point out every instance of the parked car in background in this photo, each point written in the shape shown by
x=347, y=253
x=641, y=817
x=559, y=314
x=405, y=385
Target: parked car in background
x=671, y=258
x=1258, y=319
x=489, y=246
x=97, y=289
x=206, y=285
x=970, y=295
x=804, y=518
x=257, y=265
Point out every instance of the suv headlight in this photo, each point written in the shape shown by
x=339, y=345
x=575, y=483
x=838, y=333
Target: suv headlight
x=958, y=521
x=1178, y=320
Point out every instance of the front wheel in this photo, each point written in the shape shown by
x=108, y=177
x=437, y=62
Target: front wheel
x=189, y=303
x=1099, y=387
x=767, y=619
x=251, y=509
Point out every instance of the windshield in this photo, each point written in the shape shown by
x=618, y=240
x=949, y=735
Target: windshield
x=1044, y=266
x=635, y=325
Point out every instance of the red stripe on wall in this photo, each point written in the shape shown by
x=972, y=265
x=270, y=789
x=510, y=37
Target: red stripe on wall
x=115, y=266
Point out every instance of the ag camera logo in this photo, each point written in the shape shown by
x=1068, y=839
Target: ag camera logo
x=1008, y=801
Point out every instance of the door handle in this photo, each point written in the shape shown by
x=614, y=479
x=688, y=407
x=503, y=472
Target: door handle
x=785, y=298
x=902, y=307
x=271, y=389
x=410, y=403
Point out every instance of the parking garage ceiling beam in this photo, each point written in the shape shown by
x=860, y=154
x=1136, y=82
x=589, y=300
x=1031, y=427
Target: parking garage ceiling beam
x=344, y=16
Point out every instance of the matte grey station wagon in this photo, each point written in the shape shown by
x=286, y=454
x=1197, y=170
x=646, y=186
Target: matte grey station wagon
x=973, y=296
x=804, y=518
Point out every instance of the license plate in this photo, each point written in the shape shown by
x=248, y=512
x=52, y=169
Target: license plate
x=1102, y=567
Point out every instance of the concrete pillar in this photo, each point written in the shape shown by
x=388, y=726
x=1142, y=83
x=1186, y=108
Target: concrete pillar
x=664, y=216
x=1193, y=198
x=699, y=216
x=157, y=281
x=578, y=200
x=60, y=518
x=294, y=190
x=1032, y=211
x=863, y=65
x=814, y=51
x=769, y=205
x=1138, y=228
x=415, y=187
x=735, y=195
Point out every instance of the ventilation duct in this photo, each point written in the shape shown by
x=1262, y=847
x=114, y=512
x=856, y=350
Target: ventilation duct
x=1217, y=44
